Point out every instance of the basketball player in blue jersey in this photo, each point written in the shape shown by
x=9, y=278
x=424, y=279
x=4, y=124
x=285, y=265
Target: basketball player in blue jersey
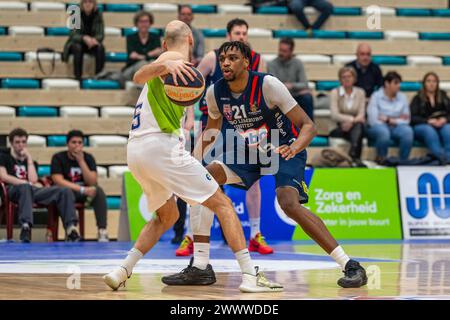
x=164, y=169
x=237, y=30
x=260, y=108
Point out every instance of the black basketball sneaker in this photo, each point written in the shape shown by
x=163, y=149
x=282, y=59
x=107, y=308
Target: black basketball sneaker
x=354, y=275
x=191, y=276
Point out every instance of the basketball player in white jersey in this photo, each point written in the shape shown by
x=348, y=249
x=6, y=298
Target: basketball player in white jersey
x=159, y=162
x=237, y=30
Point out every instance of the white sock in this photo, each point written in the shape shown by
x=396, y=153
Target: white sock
x=245, y=262
x=201, y=255
x=340, y=256
x=134, y=255
x=254, y=226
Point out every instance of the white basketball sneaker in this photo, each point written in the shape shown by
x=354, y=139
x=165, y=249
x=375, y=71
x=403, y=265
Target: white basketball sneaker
x=117, y=278
x=258, y=283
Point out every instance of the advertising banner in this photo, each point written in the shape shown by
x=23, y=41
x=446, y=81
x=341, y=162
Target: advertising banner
x=425, y=202
x=355, y=203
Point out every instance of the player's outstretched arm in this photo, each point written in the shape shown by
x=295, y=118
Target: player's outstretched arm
x=169, y=62
x=308, y=131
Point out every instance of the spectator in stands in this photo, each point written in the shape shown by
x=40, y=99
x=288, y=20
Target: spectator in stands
x=88, y=39
x=185, y=14
x=369, y=75
x=324, y=7
x=19, y=172
x=77, y=170
x=291, y=72
x=430, y=117
x=142, y=46
x=348, y=109
x=388, y=117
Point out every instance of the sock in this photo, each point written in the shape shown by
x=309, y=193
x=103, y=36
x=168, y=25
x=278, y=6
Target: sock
x=70, y=229
x=134, y=255
x=245, y=262
x=254, y=226
x=340, y=256
x=201, y=255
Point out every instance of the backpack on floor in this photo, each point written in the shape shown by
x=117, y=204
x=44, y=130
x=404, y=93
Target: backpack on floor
x=331, y=158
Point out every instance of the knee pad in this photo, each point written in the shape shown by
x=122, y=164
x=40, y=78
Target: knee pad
x=201, y=220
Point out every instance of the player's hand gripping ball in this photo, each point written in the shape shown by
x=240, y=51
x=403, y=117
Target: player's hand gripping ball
x=185, y=94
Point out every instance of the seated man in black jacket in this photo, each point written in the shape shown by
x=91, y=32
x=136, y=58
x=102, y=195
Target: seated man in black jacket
x=369, y=75
x=18, y=171
x=77, y=170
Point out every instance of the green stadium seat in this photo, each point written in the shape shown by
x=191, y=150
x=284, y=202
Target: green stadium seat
x=116, y=56
x=35, y=111
x=113, y=203
x=203, y=8
x=56, y=141
x=373, y=35
x=90, y=84
x=272, y=10
x=43, y=171
x=328, y=34
x=10, y=56
x=441, y=12
x=346, y=11
x=413, y=12
x=154, y=31
x=58, y=31
x=319, y=142
x=446, y=61
x=327, y=85
x=61, y=141
x=20, y=83
x=100, y=6
x=290, y=34
x=122, y=7
x=434, y=35
x=389, y=60
x=410, y=86
x=214, y=33
x=2, y=31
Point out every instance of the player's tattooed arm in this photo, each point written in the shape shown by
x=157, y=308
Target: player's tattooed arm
x=308, y=131
x=208, y=136
x=207, y=64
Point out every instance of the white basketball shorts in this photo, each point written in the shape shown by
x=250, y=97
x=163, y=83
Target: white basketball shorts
x=162, y=166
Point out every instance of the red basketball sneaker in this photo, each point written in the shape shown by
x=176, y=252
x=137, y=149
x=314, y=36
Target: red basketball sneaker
x=186, y=247
x=258, y=244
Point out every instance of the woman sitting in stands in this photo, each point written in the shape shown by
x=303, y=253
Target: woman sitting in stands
x=348, y=108
x=430, y=118
x=88, y=39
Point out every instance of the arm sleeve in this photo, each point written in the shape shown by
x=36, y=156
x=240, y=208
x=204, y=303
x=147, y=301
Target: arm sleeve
x=100, y=32
x=213, y=109
x=200, y=50
x=416, y=117
x=90, y=161
x=372, y=111
x=277, y=95
x=405, y=110
x=56, y=166
x=302, y=80
x=379, y=77
x=336, y=115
